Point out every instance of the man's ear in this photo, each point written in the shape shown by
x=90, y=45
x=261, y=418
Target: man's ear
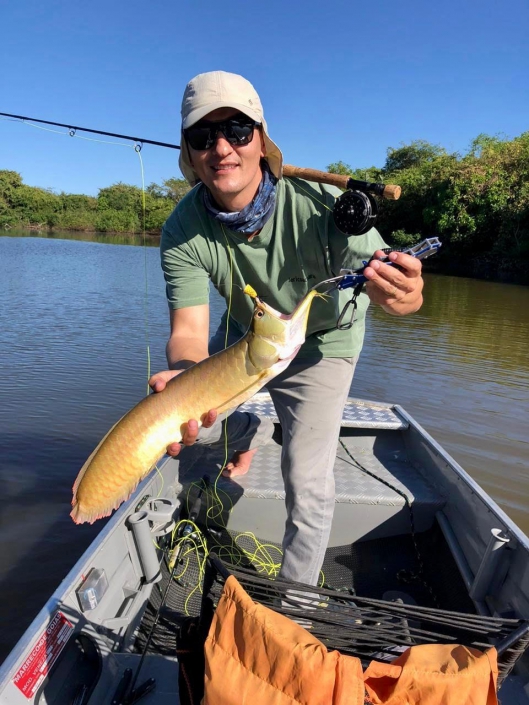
x=263, y=145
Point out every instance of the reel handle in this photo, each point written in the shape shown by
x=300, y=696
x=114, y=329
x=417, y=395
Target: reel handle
x=389, y=191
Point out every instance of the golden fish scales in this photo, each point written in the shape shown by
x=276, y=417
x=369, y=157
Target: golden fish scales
x=222, y=381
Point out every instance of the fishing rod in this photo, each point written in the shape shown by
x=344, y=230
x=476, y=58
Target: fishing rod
x=354, y=212
x=72, y=129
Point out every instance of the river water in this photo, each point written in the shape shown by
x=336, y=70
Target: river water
x=75, y=318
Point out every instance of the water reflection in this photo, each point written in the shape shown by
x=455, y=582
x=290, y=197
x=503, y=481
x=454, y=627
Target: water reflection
x=460, y=366
x=105, y=238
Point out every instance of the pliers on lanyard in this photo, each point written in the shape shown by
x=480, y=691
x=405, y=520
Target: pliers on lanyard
x=354, y=277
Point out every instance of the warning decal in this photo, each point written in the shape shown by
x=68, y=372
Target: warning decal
x=43, y=655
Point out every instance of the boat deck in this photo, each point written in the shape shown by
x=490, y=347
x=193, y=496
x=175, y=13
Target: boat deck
x=373, y=471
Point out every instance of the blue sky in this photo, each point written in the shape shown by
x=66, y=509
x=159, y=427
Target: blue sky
x=338, y=80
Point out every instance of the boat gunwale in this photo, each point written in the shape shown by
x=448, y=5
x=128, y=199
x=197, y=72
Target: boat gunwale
x=66, y=585
x=463, y=475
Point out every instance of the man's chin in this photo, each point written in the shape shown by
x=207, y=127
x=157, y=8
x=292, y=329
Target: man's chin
x=225, y=190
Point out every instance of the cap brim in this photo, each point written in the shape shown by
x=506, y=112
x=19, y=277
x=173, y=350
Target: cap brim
x=197, y=114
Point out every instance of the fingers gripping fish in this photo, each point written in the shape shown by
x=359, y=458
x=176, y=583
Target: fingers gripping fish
x=222, y=381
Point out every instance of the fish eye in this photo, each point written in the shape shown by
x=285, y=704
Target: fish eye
x=259, y=313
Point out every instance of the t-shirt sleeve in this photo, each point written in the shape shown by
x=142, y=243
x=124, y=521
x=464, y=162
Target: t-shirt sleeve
x=186, y=279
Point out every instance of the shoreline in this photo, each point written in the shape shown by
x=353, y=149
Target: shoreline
x=484, y=267
x=47, y=229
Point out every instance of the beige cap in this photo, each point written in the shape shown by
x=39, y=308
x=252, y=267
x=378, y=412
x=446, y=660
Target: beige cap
x=219, y=89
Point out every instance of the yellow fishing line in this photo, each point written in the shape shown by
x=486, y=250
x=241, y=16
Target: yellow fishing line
x=260, y=556
x=161, y=479
x=145, y=267
x=194, y=544
x=311, y=195
x=226, y=337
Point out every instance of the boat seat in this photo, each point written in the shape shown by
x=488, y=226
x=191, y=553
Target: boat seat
x=373, y=478
x=357, y=413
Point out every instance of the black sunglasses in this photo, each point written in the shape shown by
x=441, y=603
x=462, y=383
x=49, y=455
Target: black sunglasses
x=237, y=130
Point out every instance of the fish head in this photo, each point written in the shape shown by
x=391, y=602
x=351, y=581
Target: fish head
x=277, y=337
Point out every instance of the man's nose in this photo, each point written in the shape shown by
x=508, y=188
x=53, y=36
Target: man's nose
x=222, y=146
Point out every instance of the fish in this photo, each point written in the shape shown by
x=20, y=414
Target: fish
x=223, y=381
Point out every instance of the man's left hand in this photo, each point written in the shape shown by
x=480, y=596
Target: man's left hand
x=397, y=289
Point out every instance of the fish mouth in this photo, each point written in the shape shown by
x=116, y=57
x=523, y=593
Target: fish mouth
x=295, y=325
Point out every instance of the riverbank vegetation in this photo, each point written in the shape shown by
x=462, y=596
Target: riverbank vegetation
x=120, y=208
x=476, y=203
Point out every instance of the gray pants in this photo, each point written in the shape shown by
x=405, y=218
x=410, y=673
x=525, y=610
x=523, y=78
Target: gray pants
x=309, y=397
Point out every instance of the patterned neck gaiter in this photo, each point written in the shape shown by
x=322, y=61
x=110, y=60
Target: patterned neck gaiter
x=256, y=213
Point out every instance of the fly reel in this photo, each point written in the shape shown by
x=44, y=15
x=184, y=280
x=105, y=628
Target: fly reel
x=355, y=211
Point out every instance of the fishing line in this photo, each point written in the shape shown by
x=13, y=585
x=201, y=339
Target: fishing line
x=137, y=147
x=313, y=197
x=194, y=542
x=71, y=133
x=161, y=479
x=226, y=337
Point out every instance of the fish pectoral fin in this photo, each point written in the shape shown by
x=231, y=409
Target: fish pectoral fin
x=261, y=354
x=244, y=394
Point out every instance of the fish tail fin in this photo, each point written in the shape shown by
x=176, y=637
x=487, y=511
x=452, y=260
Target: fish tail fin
x=82, y=516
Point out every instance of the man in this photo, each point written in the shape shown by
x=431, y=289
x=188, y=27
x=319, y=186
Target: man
x=245, y=224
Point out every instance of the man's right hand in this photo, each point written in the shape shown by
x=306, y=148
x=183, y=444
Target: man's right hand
x=157, y=383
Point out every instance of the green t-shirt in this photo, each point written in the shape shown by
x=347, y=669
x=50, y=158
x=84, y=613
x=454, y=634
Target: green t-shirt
x=298, y=247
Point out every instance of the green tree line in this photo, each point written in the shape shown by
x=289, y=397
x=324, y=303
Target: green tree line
x=476, y=203
x=117, y=208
